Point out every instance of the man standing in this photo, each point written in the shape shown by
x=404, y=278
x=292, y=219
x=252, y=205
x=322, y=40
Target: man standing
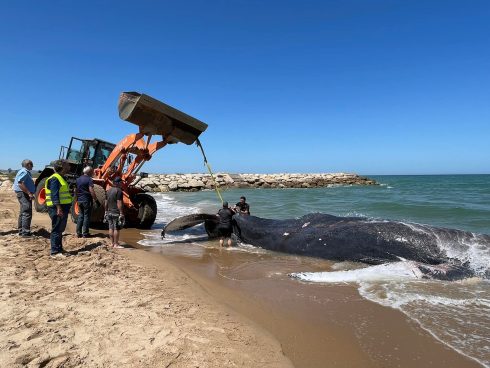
x=242, y=207
x=58, y=200
x=114, y=211
x=24, y=189
x=85, y=195
x=225, y=227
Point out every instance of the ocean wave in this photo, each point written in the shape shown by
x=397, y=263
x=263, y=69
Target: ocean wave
x=466, y=247
x=401, y=296
x=452, y=313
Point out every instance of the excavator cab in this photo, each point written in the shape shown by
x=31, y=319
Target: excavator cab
x=86, y=152
x=79, y=153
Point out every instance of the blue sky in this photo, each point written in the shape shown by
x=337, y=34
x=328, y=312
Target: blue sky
x=373, y=87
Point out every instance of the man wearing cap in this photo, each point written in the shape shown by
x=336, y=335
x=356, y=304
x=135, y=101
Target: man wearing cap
x=24, y=190
x=58, y=200
x=225, y=227
x=114, y=211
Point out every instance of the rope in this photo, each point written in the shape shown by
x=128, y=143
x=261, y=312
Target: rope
x=216, y=185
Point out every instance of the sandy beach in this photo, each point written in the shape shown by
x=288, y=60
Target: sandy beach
x=187, y=306
x=97, y=308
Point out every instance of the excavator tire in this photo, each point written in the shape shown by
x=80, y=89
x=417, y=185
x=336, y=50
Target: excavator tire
x=98, y=212
x=147, y=211
x=74, y=210
x=40, y=197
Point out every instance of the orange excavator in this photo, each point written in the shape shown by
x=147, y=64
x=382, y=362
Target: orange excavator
x=154, y=119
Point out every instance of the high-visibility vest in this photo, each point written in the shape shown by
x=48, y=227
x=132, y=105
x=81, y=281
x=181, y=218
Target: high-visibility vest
x=64, y=193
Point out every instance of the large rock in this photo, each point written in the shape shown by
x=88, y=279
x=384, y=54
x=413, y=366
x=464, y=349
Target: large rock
x=196, y=183
x=163, y=188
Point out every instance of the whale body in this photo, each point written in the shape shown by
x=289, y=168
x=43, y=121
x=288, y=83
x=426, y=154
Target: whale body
x=360, y=239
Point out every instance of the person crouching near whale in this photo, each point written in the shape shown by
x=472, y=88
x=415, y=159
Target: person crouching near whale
x=225, y=227
x=242, y=207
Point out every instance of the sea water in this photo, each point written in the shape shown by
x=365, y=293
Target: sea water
x=456, y=313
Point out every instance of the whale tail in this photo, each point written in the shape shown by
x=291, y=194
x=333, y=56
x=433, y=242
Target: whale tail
x=188, y=221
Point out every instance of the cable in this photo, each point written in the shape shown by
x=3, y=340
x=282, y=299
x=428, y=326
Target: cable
x=216, y=185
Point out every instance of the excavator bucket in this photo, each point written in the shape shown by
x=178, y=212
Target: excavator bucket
x=156, y=118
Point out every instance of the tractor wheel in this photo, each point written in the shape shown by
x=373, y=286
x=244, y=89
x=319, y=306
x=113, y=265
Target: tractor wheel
x=40, y=197
x=98, y=212
x=74, y=210
x=147, y=210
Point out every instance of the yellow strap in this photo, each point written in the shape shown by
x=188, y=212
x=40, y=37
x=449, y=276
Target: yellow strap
x=216, y=185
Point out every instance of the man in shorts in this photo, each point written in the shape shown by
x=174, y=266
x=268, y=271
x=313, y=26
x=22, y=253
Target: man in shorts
x=225, y=227
x=114, y=214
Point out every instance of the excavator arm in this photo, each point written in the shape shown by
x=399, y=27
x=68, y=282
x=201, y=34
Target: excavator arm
x=153, y=118
x=118, y=163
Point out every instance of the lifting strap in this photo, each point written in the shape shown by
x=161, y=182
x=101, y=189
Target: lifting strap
x=216, y=185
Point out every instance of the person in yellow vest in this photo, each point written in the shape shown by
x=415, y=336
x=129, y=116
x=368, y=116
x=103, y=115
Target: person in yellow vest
x=58, y=200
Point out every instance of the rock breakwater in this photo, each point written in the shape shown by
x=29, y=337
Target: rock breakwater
x=196, y=182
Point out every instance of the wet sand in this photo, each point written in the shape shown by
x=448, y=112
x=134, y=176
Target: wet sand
x=317, y=325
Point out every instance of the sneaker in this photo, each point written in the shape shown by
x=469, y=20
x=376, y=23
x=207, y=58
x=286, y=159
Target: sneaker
x=57, y=255
x=79, y=235
x=26, y=235
x=86, y=236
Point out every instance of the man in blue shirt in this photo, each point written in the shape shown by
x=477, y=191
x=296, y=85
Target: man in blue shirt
x=24, y=190
x=85, y=195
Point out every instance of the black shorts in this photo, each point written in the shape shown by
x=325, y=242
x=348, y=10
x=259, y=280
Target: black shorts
x=225, y=231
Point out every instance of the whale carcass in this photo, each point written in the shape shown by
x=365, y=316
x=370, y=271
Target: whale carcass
x=437, y=252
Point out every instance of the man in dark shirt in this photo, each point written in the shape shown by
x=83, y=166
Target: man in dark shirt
x=225, y=227
x=114, y=211
x=85, y=195
x=242, y=207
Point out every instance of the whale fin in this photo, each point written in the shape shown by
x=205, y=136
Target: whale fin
x=383, y=272
x=372, y=260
